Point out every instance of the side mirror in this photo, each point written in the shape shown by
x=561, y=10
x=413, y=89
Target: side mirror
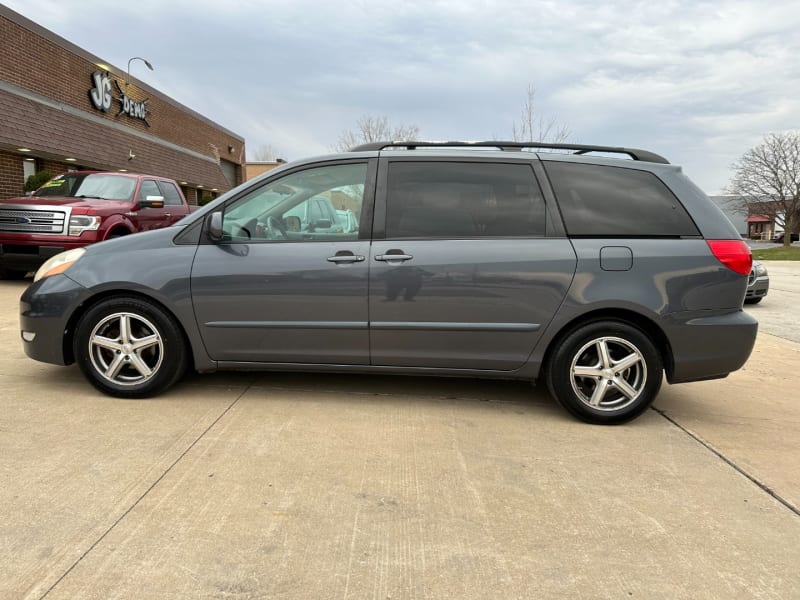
x=215, y=226
x=152, y=202
x=322, y=224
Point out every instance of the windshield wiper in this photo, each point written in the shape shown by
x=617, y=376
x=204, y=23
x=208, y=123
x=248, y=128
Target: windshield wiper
x=92, y=197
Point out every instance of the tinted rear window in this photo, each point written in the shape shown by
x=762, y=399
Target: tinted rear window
x=463, y=200
x=600, y=201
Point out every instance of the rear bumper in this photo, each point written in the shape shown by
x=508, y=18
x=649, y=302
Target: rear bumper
x=709, y=347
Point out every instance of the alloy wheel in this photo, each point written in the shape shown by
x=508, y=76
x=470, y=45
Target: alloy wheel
x=126, y=349
x=608, y=373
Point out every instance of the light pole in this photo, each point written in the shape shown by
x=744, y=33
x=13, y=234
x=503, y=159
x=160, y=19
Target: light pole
x=149, y=66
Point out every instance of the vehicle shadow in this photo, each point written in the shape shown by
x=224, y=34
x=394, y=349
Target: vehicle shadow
x=368, y=388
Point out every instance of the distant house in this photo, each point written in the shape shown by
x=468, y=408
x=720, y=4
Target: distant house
x=762, y=227
x=760, y=221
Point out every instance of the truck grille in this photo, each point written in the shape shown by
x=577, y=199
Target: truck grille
x=32, y=221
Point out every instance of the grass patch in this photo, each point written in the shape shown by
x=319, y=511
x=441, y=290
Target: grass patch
x=778, y=253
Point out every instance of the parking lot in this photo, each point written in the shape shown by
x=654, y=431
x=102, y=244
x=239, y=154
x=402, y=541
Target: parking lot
x=779, y=314
x=321, y=486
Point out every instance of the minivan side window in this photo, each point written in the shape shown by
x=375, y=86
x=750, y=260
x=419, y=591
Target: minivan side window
x=601, y=201
x=463, y=200
x=300, y=206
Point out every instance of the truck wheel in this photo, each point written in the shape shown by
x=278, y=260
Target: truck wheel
x=12, y=274
x=130, y=348
x=605, y=372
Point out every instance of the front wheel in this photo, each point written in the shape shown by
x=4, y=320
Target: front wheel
x=753, y=300
x=605, y=372
x=129, y=348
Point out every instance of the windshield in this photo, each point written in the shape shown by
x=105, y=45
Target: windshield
x=91, y=185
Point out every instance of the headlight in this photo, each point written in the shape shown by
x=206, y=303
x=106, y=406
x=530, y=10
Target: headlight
x=761, y=270
x=59, y=263
x=80, y=223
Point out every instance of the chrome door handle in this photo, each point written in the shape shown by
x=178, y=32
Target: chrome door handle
x=345, y=258
x=393, y=257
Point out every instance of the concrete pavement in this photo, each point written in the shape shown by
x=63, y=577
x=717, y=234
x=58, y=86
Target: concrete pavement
x=779, y=313
x=323, y=486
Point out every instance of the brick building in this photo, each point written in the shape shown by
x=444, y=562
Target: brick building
x=62, y=108
x=256, y=168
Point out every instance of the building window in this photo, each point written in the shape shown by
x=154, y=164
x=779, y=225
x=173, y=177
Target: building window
x=28, y=169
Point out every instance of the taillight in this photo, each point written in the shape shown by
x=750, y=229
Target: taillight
x=734, y=254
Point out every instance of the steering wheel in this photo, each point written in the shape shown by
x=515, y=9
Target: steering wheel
x=276, y=230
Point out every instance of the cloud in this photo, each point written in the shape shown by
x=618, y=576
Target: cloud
x=699, y=82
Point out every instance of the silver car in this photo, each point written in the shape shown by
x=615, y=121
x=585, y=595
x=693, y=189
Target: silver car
x=757, y=284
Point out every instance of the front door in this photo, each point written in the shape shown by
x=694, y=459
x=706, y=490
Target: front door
x=276, y=292
x=150, y=218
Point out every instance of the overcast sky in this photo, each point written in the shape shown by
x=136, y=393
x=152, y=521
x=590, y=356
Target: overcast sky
x=698, y=82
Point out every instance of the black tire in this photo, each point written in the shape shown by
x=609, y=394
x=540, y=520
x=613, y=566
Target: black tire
x=12, y=274
x=616, y=387
x=105, y=347
x=753, y=300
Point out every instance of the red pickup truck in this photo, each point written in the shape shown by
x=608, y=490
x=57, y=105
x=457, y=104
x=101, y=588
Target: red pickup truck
x=80, y=208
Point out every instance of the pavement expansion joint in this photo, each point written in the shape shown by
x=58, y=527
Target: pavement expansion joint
x=145, y=493
x=763, y=486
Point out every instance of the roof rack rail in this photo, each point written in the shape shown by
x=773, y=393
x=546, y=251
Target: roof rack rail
x=634, y=153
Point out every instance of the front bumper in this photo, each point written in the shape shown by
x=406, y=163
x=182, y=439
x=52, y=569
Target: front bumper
x=26, y=258
x=29, y=257
x=757, y=289
x=44, y=318
x=28, y=252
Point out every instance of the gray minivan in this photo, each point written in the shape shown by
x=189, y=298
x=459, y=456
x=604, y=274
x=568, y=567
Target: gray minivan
x=493, y=259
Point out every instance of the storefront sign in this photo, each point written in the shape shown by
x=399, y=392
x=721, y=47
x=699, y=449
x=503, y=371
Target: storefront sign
x=101, y=97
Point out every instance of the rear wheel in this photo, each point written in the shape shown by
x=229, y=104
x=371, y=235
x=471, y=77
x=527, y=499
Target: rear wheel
x=130, y=348
x=605, y=372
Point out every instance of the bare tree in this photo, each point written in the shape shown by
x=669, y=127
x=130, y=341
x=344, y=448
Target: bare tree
x=767, y=178
x=265, y=153
x=375, y=129
x=533, y=127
